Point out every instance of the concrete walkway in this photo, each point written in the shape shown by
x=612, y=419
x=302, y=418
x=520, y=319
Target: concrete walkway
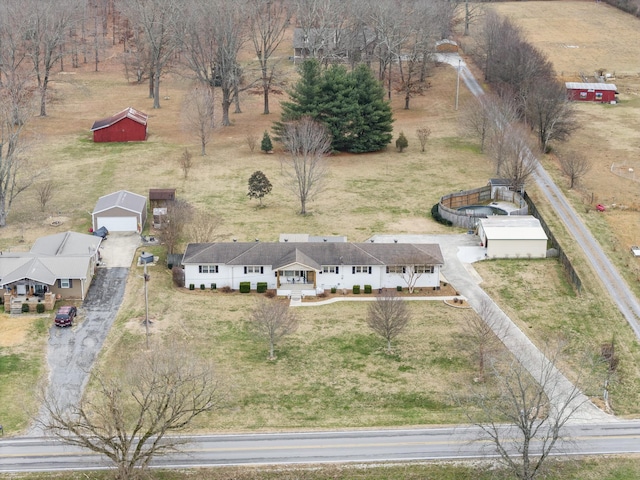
x=459, y=252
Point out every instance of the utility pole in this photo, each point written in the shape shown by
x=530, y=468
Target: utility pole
x=458, y=84
x=146, y=303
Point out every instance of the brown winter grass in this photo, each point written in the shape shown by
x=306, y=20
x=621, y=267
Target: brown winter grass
x=333, y=362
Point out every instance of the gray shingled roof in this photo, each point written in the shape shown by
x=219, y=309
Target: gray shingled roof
x=312, y=254
x=123, y=199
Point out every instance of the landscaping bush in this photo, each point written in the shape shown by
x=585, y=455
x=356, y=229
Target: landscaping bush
x=178, y=276
x=439, y=218
x=356, y=289
x=261, y=287
x=245, y=287
x=367, y=289
x=40, y=308
x=191, y=286
x=399, y=288
x=202, y=286
x=25, y=308
x=334, y=289
x=226, y=289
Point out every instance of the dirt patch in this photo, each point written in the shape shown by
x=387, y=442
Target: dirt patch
x=15, y=329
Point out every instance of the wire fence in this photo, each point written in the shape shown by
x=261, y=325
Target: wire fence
x=626, y=170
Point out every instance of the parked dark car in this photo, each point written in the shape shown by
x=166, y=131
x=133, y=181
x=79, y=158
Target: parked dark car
x=65, y=316
x=101, y=232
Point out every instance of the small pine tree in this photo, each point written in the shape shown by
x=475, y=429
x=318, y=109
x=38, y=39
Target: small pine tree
x=402, y=142
x=266, y=145
x=259, y=186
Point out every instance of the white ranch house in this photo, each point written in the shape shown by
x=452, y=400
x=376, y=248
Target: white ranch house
x=312, y=267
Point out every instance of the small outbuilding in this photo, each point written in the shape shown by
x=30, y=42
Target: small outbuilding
x=161, y=197
x=592, y=92
x=129, y=125
x=513, y=236
x=121, y=211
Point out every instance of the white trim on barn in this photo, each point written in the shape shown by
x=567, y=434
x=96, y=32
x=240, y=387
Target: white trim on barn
x=519, y=236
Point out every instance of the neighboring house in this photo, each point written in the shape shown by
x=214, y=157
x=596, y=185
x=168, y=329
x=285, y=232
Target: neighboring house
x=333, y=43
x=591, y=92
x=57, y=266
x=120, y=211
x=519, y=236
x=312, y=267
x=129, y=125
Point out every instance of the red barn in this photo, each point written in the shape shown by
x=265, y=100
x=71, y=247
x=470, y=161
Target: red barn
x=130, y=125
x=591, y=92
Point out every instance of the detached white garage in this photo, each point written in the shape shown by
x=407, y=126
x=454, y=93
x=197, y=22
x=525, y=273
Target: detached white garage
x=121, y=211
x=517, y=236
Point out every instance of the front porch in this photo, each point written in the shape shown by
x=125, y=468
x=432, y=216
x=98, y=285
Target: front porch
x=13, y=302
x=297, y=290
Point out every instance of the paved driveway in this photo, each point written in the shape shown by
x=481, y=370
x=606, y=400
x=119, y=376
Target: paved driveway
x=73, y=351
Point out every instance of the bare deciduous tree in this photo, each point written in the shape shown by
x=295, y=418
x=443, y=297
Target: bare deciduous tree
x=525, y=419
x=269, y=20
x=128, y=417
x=178, y=215
x=512, y=153
x=272, y=320
x=198, y=114
x=252, y=141
x=204, y=227
x=307, y=143
x=575, y=166
x=486, y=334
x=423, y=134
x=388, y=316
x=44, y=193
x=46, y=26
x=186, y=162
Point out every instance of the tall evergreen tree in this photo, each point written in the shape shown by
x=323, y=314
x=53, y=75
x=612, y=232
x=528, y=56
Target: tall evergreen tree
x=350, y=104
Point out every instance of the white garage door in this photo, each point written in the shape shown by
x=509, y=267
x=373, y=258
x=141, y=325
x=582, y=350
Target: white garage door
x=119, y=224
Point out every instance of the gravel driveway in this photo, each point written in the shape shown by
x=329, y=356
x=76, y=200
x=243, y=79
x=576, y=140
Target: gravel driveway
x=73, y=351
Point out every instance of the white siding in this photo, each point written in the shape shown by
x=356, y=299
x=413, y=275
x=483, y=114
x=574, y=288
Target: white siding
x=517, y=249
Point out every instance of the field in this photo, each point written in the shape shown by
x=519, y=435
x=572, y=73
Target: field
x=386, y=192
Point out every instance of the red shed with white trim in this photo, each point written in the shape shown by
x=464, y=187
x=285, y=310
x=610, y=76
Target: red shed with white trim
x=129, y=125
x=591, y=92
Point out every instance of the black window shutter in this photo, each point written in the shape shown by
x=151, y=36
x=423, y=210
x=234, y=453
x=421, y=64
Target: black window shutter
x=369, y=270
x=199, y=268
x=59, y=283
x=337, y=269
x=261, y=269
x=404, y=269
x=245, y=270
x=387, y=268
x=70, y=283
x=353, y=270
x=276, y=274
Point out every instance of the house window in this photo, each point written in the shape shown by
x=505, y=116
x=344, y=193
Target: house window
x=64, y=283
x=208, y=268
x=330, y=269
x=583, y=95
x=361, y=269
x=423, y=269
x=253, y=269
x=396, y=269
x=598, y=95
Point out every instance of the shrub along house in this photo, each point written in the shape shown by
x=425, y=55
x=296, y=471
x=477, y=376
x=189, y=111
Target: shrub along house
x=311, y=267
x=57, y=266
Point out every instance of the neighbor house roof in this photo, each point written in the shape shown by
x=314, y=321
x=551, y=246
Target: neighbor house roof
x=513, y=227
x=132, y=113
x=312, y=254
x=591, y=86
x=62, y=255
x=123, y=199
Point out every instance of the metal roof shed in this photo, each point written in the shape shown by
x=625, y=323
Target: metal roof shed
x=120, y=211
x=517, y=236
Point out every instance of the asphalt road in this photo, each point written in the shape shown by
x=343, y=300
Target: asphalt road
x=449, y=443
